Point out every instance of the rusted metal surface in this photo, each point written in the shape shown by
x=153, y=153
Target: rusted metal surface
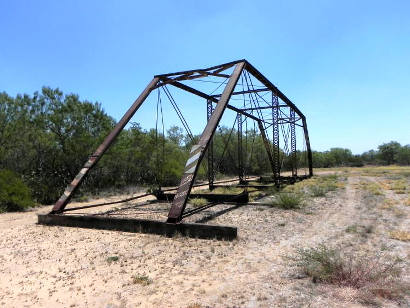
x=197, y=151
x=267, y=146
x=195, y=230
x=309, y=151
x=278, y=118
x=211, y=173
x=275, y=138
x=293, y=154
x=213, y=99
x=241, y=170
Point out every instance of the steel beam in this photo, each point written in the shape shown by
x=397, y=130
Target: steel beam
x=212, y=99
x=244, y=92
x=262, y=108
x=308, y=149
x=267, y=146
x=216, y=69
x=197, y=151
x=211, y=174
x=92, y=161
x=293, y=143
x=275, y=138
x=240, y=150
x=258, y=75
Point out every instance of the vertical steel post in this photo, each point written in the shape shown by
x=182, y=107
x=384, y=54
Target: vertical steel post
x=275, y=133
x=211, y=173
x=197, y=151
x=267, y=146
x=240, y=149
x=308, y=149
x=293, y=143
x=92, y=161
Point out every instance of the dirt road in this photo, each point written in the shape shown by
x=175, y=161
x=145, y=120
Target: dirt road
x=68, y=267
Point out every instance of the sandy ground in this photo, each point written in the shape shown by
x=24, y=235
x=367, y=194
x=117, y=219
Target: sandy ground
x=44, y=266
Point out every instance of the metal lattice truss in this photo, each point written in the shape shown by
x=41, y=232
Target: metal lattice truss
x=244, y=91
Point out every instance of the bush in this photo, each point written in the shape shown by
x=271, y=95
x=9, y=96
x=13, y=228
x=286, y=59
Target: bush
x=289, y=200
x=14, y=194
x=318, y=190
x=373, y=274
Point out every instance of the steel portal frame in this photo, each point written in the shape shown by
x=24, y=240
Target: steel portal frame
x=214, y=115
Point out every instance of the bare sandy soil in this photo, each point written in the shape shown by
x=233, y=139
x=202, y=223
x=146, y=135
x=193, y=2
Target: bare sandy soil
x=68, y=267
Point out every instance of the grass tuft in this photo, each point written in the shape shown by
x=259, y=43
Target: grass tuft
x=372, y=188
x=112, y=259
x=289, y=200
x=142, y=280
x=400, y=235
x=197, y=202
x=398, y=186
x=352, y=229
x=318, y=190
x=389, y=204
x=222, y=190
x=194, y=305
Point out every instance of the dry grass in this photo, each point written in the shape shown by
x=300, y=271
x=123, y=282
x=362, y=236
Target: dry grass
x=255, y=195
x=400, y=235
x=376, y=275
x=317, y=186
x=393, y=206
x=197, y=202
x=388, y=204
x=194, y=305
x=377, y=171
x=371, y=187
x=385, y=170
x=399, y=186
x=141, y=279
x=222, y=190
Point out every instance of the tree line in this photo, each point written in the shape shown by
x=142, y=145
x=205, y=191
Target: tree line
x=45, y=139
x=386, y=154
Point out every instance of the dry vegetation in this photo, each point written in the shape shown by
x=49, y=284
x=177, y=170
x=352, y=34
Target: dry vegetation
x=339, y=239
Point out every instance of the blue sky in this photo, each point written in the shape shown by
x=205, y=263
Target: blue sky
x=345, y=64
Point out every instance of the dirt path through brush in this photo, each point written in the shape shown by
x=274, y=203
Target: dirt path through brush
x=69, y=267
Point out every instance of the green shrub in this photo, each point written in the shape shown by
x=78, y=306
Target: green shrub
x=318, y=190
x=112, y=259
x=14, y=194
x=289, y=200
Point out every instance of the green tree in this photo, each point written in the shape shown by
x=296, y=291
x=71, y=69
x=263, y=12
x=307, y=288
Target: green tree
x=388, y=152
x=403, y=155
x=14, y=194
x=176, y=135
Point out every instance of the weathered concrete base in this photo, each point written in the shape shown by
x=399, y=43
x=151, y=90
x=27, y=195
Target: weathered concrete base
x=194, y=230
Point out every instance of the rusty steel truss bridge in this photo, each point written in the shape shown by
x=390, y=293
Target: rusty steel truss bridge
x=241, y=89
